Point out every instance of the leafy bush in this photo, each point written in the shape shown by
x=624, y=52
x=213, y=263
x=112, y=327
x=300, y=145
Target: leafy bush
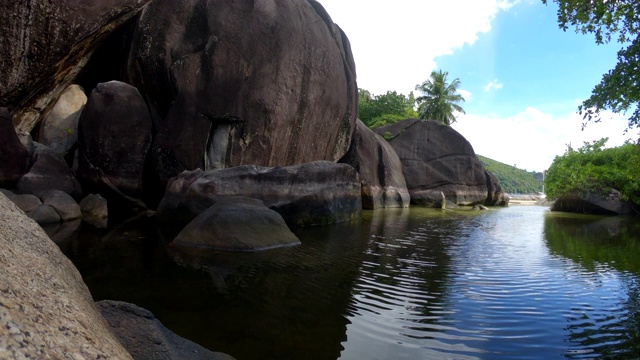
x=593, y=169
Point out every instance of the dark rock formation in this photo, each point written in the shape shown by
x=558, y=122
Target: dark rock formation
x=50, y=206
x=237, y=223
x=383, y=184
x=437, y=158
x=145, y=337
x=44, y=46
x=243, y=82
x=609, y=204
x=114, y=137
x=46, y=311
x=49, y=171
x=315, y=193
x=64, y=204
x=13, y=155
x=95, y=210
x=59, y=130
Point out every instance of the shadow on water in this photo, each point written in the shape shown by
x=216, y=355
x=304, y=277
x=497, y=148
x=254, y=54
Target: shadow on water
x=607, y=247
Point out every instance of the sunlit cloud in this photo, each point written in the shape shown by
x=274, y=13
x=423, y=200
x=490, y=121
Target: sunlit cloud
x=493, y=85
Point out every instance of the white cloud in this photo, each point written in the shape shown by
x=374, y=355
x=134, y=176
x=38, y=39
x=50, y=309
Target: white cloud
x=494, y=84
x=467, y=95
x=532, y=138
x=395, y=43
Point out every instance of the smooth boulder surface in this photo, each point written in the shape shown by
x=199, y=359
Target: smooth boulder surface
x=232, y=82
x=237, y=223
x=59, y=130
x=145, y=337
x=46, y=44
x=380, y=170
x=46, y=310
x=49, y=171
x=316, y=193
x=114, y=138
x=13, y=155
x=435, y=158
x=609, y=204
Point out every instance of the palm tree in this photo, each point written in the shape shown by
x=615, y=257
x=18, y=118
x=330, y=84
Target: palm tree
x=440, y=100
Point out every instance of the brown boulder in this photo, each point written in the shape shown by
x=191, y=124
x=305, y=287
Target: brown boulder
x=46, y=311
x=59, y=130
x=13, y=155
x=244, y=82
x=114, y=137
x=379, y=167
x=436, y=158
x=316, y=193
x=45, y=44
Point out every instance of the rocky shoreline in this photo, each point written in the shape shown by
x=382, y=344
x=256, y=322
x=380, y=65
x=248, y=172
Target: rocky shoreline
x=232, y=118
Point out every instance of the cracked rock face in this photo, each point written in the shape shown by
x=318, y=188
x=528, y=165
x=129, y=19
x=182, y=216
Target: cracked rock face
x=435, y=158
x=45, y=44
x=229, y=83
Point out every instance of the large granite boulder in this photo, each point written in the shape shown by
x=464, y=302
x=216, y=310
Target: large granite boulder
x=232, y=82
x=435, y=158
x=316, y=193
x=145, y=337
x=237, y=223
x=380, y=170
x=114, y=138
x=592, y=203
x=46, y=311
x=45, y=44
x=13, y=155
x=49, y=171
x=59, y=130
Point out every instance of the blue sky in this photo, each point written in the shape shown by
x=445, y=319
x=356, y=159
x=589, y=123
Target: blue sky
x=522, y=76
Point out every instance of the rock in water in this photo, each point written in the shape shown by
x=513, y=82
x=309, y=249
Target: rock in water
x=237, y=223
x=435, y=158
x=379, y=167
x=145, y=337
x=316, y=193
x=233, y=82
x=609, y=204
x=46, y=44
x=46, y=311
x=114, y=137
x=49, y=171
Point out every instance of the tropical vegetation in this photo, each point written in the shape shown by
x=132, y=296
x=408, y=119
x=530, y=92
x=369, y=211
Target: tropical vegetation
x=440, y=99
x=512, y=179
x=380, y=110
x=594, y=169
x=619, y=89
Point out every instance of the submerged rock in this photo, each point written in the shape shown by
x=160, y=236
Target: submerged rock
x=237, y=223
x=315, y=193
x=233, y=82
x=145, y=337
x=46, y=311
x=380, y=170
x=435, y=158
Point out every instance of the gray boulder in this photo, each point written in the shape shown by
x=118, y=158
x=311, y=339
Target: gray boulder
x=49, y=171
x=233, y=82
x=45, y=46
x=145, y=337
x=237, y=223
x=608, y=204
x=59, y=130
x=114, y=137
x=13, y=155
x=316, y=193
x=46, y=311
x=63, y=204
x=95, y=210
x=380, y=170
x=435, y=158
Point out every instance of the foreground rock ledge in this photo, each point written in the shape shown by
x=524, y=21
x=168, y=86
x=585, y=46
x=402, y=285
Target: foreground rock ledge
x=315, y=193
x=46, y=311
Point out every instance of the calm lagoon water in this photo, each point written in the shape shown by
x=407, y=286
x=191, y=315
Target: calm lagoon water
x=510, y=283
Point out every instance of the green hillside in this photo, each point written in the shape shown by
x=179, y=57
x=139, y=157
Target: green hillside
x=512, y=179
